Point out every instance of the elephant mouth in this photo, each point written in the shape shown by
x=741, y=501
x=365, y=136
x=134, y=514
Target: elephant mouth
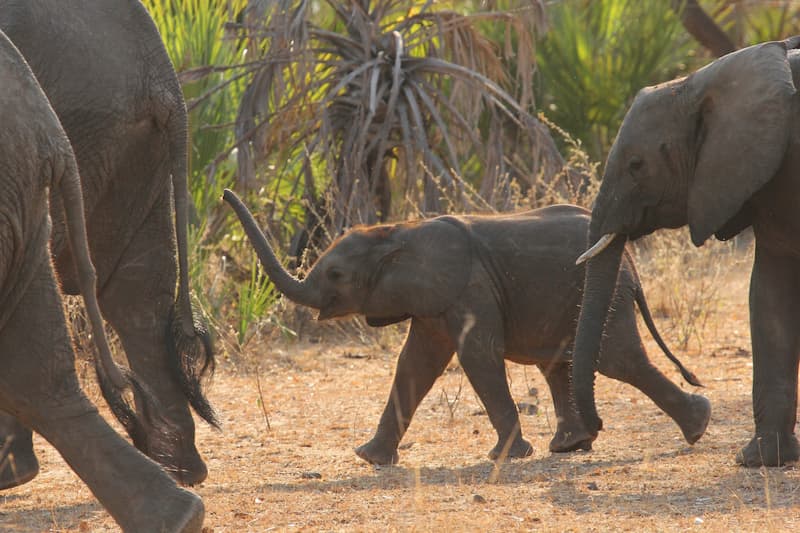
x=333, y=309
x=632, y=223
x=642, y=223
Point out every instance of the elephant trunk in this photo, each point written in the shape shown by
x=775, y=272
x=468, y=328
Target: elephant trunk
x=296, y=290
x=599, y=286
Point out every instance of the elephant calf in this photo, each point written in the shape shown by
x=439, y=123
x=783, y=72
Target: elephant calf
x=488, y=288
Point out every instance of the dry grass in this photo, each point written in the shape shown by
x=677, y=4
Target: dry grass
x=685, y=285
x=284, y=461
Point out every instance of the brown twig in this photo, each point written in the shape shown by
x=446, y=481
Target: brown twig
x=261, y=399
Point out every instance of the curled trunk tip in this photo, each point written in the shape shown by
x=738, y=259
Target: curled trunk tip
x=296, y=290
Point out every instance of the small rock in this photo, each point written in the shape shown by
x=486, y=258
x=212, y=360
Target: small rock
x=477, y=498
x=533, y=391
x=527, y=408
x=311, y=475
x=698, y=520
x=592, y=486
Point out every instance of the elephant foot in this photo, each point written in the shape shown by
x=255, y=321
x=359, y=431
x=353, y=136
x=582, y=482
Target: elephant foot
x=178, y=455
x=191, y=471
x=182, y=512
x=18, y=463
x=569, y=441
x=695, y=423
x=376, y=453
x=518, y=449
x=191, y=520
x=769, y=450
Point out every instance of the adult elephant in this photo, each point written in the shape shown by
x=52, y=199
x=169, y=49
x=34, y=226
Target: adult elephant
x=718, y=150
x=38, y=383
x=104, y=68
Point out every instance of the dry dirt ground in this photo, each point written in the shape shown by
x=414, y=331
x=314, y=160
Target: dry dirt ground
x=298, y=472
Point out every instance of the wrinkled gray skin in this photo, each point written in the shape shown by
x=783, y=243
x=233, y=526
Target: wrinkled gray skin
x=38, y=384
x=104, y=68
x=718, y=150
x=489, y=289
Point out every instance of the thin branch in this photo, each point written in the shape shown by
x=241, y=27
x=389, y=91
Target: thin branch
x=702, y=27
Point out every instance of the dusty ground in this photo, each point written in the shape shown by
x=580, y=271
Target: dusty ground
x=323, y=399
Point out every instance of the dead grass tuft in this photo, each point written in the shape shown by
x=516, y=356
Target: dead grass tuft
x=685, y=285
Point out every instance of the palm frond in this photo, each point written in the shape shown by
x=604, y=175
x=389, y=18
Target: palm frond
x=373, y=83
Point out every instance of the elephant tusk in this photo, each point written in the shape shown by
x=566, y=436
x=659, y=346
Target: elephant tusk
x=599, y=246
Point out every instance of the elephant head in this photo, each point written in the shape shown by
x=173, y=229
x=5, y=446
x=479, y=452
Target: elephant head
x=387, y=273
x=690, y=151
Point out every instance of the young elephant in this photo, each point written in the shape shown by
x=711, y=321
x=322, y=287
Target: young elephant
x=38, y=383
x=488, y=288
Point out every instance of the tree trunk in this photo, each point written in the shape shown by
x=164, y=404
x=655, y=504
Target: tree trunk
x=702, y=27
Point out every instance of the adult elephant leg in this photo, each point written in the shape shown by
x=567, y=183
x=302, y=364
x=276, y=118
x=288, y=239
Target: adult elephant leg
x=137, y=300
x=774, y=317
x=18, y=463
x=570, y=434
x=481, y=357
x=424, y=357
x=624, y=358
x=39, y=386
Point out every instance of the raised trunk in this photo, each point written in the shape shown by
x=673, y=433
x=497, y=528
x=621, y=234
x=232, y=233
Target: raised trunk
x=599, y=286
x=291, y=287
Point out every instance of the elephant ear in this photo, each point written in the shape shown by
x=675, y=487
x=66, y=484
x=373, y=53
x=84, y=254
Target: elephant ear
x=745, y=112
x=426, y=270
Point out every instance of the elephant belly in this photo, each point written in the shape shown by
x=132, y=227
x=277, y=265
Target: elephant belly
x=543, y=338
x=544, y=355
x=540, y=326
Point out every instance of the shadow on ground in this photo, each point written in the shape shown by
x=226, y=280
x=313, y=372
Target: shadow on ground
x=31, y=520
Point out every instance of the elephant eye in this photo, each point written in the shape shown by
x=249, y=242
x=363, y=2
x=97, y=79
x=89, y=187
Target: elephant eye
x=635, y=164
x=334, y=274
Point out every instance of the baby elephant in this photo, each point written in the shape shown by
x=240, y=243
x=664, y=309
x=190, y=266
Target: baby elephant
x=488, y=288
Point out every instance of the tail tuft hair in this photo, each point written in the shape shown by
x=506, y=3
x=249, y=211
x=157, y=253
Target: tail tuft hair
x=192, y=361
x=143, y=429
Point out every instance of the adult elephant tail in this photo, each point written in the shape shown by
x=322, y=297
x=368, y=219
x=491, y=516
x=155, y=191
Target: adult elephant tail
x=688, y=375
x=113, y=379
x=599, y=286
x=188, y=336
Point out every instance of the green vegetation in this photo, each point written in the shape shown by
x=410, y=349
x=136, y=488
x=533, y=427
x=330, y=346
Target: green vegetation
x=372, y=110
x=595, y=58
x=324, y=114
x=203, y=52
